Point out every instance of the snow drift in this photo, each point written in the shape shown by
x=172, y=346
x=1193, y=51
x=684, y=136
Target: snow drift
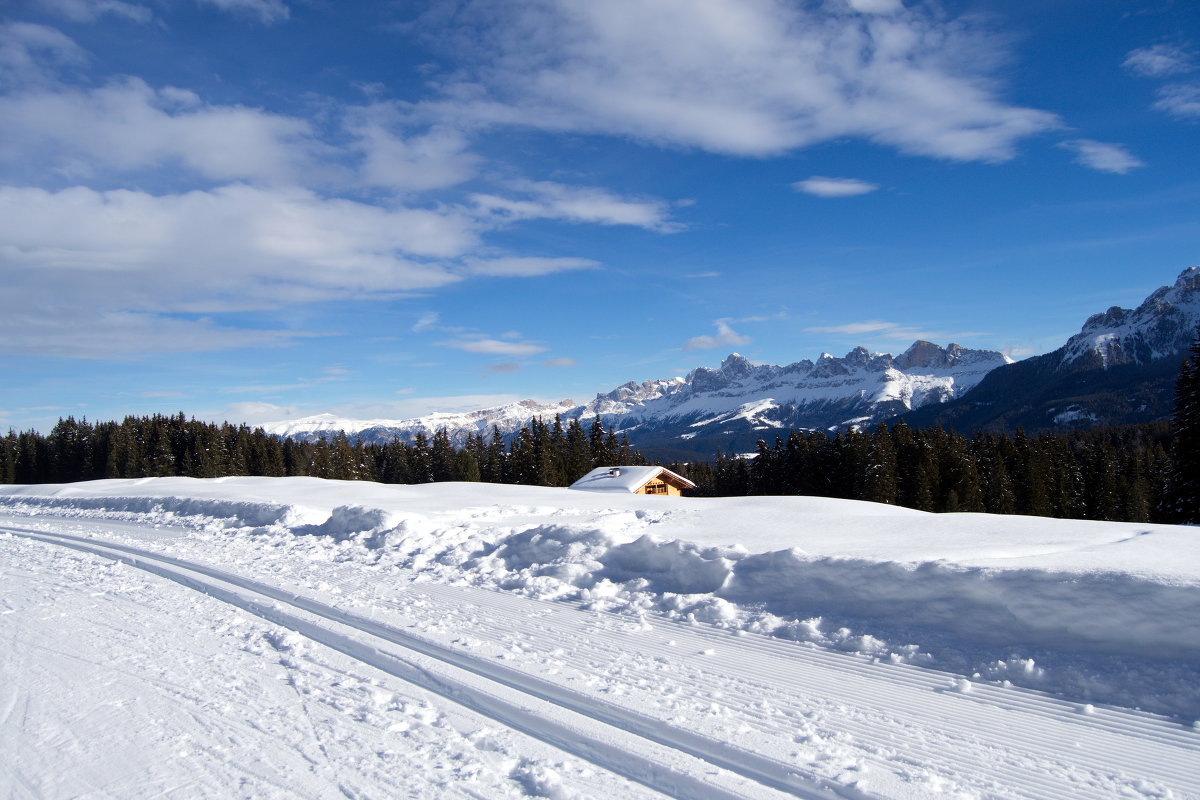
x=844, y=573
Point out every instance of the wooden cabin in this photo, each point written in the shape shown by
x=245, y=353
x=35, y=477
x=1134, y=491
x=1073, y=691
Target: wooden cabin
x=633, y=480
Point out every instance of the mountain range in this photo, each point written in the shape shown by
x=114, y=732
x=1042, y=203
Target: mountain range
x=1120, y=368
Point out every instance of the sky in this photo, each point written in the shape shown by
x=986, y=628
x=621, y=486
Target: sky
x=255, y=210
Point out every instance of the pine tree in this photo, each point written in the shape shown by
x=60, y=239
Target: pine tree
x=1183, y=490
x=441, y=457
x=577, y=455
x=466, y=467
x=879, y=482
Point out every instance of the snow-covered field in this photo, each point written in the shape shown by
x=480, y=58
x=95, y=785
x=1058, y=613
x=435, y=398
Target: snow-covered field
x=257, y=637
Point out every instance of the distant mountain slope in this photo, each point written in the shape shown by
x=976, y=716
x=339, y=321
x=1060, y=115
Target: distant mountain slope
x=727, y=407
x=1119, y=369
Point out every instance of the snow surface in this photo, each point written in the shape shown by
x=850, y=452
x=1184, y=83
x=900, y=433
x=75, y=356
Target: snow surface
x=305, y=638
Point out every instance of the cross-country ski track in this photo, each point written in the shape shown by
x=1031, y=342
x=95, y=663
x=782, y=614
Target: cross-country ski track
x=692, y=711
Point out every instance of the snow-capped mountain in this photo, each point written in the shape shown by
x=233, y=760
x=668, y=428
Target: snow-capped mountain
x=507, y=418
x=1119, y=369
x=729, y=406
x=1163, y=325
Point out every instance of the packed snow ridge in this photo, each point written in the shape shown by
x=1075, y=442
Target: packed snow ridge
x=830, y=392
x=1095, y=611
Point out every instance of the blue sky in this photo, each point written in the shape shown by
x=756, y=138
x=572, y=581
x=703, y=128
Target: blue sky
x=259, y=209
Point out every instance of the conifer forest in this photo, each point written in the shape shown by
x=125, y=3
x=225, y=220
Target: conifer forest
x=1127, y=473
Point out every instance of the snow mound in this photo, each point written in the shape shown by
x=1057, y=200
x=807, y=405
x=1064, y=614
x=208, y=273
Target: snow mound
x=1001, y=590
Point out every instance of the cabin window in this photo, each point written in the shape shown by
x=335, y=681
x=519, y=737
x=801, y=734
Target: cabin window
x=656, y=487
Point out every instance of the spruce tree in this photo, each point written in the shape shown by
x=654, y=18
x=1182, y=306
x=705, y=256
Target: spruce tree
x=1183, y=490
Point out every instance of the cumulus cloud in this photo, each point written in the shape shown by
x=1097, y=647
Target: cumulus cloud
x=745, y=77
x=127, y=126
x=819, y=186
x=725, y=337
x=548, y=200
x=1158, y=60
x=1103, y=156
x=115, y=263
x=395, y=157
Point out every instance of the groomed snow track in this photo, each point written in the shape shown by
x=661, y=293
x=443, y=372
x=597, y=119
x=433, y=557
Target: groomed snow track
x=362, y=639
x=1027, y=744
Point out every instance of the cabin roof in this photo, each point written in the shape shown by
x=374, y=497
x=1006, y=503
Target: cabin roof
x=627, y=479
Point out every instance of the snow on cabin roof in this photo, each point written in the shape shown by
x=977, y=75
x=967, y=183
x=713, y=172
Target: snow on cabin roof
x=624, y=479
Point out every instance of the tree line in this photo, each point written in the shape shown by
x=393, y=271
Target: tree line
x=1109, y=473
x=546, y=454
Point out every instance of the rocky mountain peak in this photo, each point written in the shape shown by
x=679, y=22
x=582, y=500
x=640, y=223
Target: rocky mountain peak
x=1164, y=324
x=736, y=365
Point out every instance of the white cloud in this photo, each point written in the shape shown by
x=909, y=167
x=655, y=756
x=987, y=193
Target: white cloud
x=875, y=6
x=526, y=266
x=127, y=126
x=1103, y=156
x=70, y=329
x=428, y=321
x=91, y=10
x=725, y=337
x=1159, y=60
x=110, y=264
x=871, y=326
x=747, y=77
x=30, y=54
x=394, y=158
x=483, y=345
x=1179, y=99
x=819, y=186
x=894, y=331
x=559, y=362
x=584, y=204
x=267, y=11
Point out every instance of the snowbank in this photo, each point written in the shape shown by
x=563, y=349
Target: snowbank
x=808, y=568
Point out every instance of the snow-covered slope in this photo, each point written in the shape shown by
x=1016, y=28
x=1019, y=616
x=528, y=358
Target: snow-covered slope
x=738, y=398
x=259, y=637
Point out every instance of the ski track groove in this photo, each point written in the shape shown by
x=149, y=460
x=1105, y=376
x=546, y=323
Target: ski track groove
x=1116, y=720
x=1011, y=775
x=762, y=770
x=615, y=634
x=1031, y=700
